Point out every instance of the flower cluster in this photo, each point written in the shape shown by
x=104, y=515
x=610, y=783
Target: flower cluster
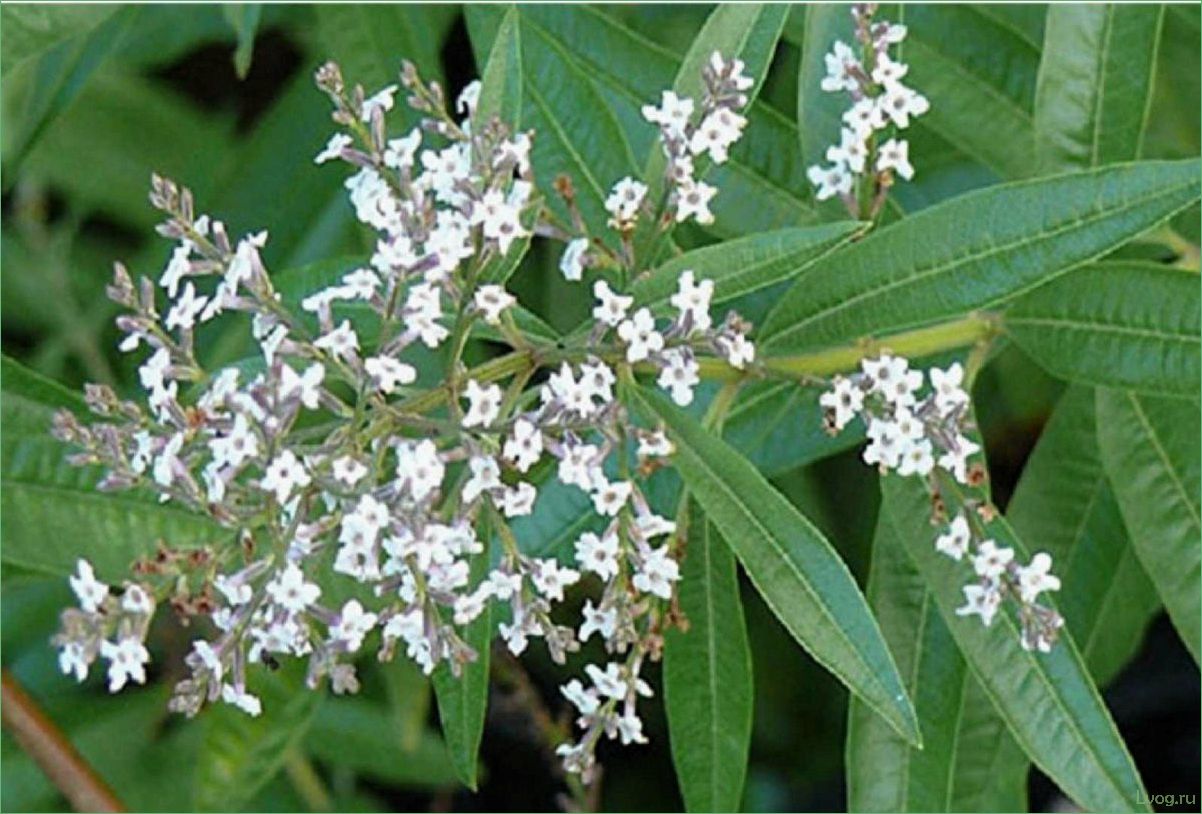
x=879, y=102
x=917, y=435
x=340, y=473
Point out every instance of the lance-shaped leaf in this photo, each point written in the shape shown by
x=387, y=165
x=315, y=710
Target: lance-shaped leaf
x=976, y=251
x=32, y=30
x=707, y=676
x=1150, y=449
x=52, y=514
x=463, y=699
x=1129, y=324
x=241, y=753
x=884, y=773
x=577, y=134
x=369, y=41
x=1095, y=83
x=744, y=31
x=792, y=565
x=501, y=79
x=1048, y=700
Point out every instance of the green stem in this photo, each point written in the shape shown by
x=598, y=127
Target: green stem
x=307, y=782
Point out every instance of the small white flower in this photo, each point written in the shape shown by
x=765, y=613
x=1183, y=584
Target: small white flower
x=657, y=573
x=401, y=152
x=672, y=115
x=887, y=71
x=899, y=103
x=389, y=373
x=333, y=149
x=90, y=591
x=981, y=600
x=597, y=620
x=127, y=658
x=72, y=660
x=491, y=301
x=306, y=387
x=1036, y=578
x=381, y=101
x=841, y=69
x=655, y=445
x=892, y=378
x=186, y=309
x=640, y=336
x=716, y=133
x=586, y=701
x=342, y=342
x=284, y=474
x=991, y=560
x=679, y=375
x=624, y=201
x=693, y=201
x=948, y=387
x=894, y=155
x=484, y=404
x=353, y=625
x=739, y=350
x=612, y=307
x=573, y=261
x=136, y=600
x=693, y=298
x=347, y=470
x=518, y=501
x=954, y=542
x=550, y=579
x=598, y=554
x=177, y=269
x=485, y=477
x=238, y=696
x=236, y=592
x=844, y=400
x=956, y=460
x=611, y=497
x=420, y=466
x=609, y=682
x=290, y=591
x=525, y=446
x=851, y=151
x=830, y=181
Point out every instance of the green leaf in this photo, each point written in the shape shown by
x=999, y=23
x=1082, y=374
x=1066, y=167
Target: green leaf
x=791, y=564
x=884, y=773
x=30, y=30
x=244, y=19
x=1048, y=700
x=501, y=79
x=577, y=134
x=408, y=692
x=744, y=265
x=975, y=251
x=629, y=70
x=51, y=512
x=1095, y=83
x=463, y=699
x=357, y=734
x=746, y=31
x=1121, y=324
x=707, y=676
x=1064, y=500
x=240, y=753
x=1150, y=449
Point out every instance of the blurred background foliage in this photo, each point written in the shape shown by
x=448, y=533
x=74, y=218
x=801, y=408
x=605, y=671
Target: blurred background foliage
x=221, y=98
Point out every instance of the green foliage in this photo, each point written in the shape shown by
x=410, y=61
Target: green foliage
x=1056, y=195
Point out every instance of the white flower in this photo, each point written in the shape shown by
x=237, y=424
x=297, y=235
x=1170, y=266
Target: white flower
x=844, y=400
x=679, y=375
x=518, y=501
x=640, y=336
x=598, y=554
x=672, y=115
x=551, y=579
x=864, y=117
x=899, y=103
x=186, y=309
x=307, y=386
x=653, y=525
x=136, y=600
x=359, y=284
x=693, y=201
x=894, y=155
x=284, y=474
x=177, y=269
x=841, y=67
x=342, y=341
x=981, y=600
x=584, y=700
x=127, y=658
x=655, y=445
x=90, y=591
x=956, y=460
x=388, y=373
x=830, y=181
x=597, y=620
x=573, y=260
x=73, y=660
x=353, y=624
x=401, y=152
x=525, y=446
x=624, y=201
x=500, y=219
x=948, y=387
x=290, y=591
x=657, y=573
x=693, y=298
x=611, y=497
x=597, y=380
x=381, y=101
x=236, y=592
x=486, y=476
x=484, y=404
x=612, y=307
x=916, y=459
x=887, y=71
x=716, y=133
x=333, y=149
x=1036, y=578
x=885, y=444
x=468, y=607
x=492, y=300
x=892, y=378
x=735, y=67
x=991, y=560
x=609, y=682
x=739, y=350
x=851, y=151
x=346, y=469
x=240, y=698
x=954, y=542
x=630, y=728
x=466, y=103
x=419, y=465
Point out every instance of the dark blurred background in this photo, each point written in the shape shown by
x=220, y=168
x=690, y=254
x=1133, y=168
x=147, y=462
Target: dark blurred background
x=166, y=97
